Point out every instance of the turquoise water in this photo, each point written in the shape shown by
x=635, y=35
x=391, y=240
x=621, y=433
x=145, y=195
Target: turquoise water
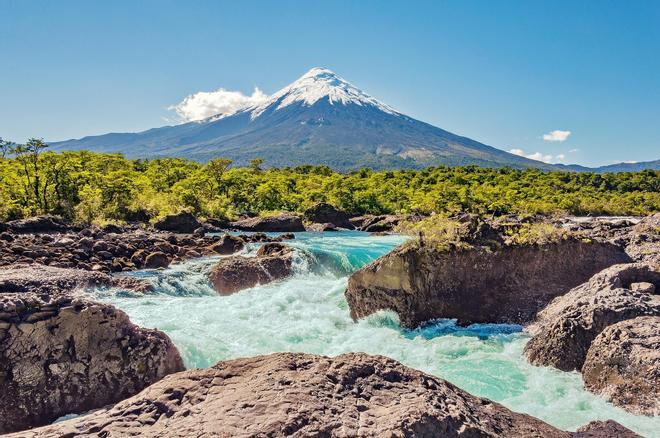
x=308, y=313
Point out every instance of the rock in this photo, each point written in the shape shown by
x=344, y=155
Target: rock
x=217, y=223
x=604, y=429
x=178, y=223
x=232, y=274
x=623, y=365
x=643, y=287
x=285, y=222
x=228, y=245
x=201, y=231
x=319, y=228
x=38, y=224
x=295, y=394
x=384, y=223
x=61, y=355
x=506, y=285
x=565, y=329
x=51, y=280
x=156, y=260
x=324, y=213
x=112, y=228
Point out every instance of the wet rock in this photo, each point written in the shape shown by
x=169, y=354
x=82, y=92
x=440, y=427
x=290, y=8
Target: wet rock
x=228, y=245
x=294, y=394
x=319, y=228
x=285, y=222
x=479, y=285
x=178, y=223
x=623, y=365
x=565, y=329
x=324, y=213
x=231, y=274
x=156, y=260
x=62, y=354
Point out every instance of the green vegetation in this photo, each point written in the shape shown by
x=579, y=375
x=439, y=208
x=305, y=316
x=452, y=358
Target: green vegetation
x=88, y=187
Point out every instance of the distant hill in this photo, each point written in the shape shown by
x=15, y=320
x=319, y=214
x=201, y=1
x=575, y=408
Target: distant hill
x=618, y=167
x=318, y=119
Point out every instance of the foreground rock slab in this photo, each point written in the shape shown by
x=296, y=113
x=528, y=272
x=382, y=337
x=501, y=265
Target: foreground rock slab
x=623, y=364
x=565, y=329
x=506, y=285
x=289, y=394
x=62, y=354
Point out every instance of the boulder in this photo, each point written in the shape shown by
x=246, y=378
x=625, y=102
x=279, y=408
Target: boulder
x=324, y=213
x=623, y=365
x=285, y=222
x=295, y=394
x=61, y=354
x=178, y=223
x=38, y=224
x=565, y=329
x=509, y=284
x=231, y=274
x=156, y=260
x=319, y=228
x=228, y=244
x=604, y=429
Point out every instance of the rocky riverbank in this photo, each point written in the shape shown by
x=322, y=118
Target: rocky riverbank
x=590, y=298
x=294, y=394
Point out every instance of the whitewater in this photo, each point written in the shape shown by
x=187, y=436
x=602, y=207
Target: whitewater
x=307, y=312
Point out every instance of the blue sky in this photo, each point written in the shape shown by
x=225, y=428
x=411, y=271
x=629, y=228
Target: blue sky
x=501, y=72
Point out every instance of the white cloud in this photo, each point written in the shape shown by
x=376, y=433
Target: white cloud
x=556, y=135
x=539, y=156
x=572, y=151
x=205, y=104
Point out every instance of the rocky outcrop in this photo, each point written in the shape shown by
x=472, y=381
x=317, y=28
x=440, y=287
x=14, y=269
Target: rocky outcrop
x=62, y=354
x=285, y=222
x=231, y=274
x=50, y=280
x=37, y=224
x=381, y=223
x=566, y=328
x=500, y=284
x=324, y=213
x=623, y=365
x=293, y=394
x=179, y=223
x=604, y=429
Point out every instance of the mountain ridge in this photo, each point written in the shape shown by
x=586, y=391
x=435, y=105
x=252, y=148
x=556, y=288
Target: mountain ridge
x=318, y=119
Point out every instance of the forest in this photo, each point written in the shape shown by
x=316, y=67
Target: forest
x=95, y=188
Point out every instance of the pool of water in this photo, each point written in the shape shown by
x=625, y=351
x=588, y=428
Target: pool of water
x=308, y=313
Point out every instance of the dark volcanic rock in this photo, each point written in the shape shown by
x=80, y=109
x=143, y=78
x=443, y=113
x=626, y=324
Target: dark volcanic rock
x=509, y=284
x=623, y=364
x=324, y=213
x=156, y=260
x=294, y=394
x=228, y=245
x=565, y=329
x=285, y=222
x=231, y=274
x=178, y=223
x=38, y=224
x=60, y=354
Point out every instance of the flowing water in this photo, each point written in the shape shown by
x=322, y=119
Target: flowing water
x=308, y=313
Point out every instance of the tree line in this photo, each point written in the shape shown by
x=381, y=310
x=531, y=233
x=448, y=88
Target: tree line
x=97, y=187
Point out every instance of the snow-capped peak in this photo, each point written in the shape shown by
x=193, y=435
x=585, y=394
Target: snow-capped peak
x=316, y=84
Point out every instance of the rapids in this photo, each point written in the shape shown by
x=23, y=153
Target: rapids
x=308, y=313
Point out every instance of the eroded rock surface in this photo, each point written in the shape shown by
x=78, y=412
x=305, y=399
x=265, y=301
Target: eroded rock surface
x=231, y=274
x=62, y=354
x=285, y=222
x=565, y=329
x=289, y=394
x=623, y=365
x=480, y=285
x=328, y=215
